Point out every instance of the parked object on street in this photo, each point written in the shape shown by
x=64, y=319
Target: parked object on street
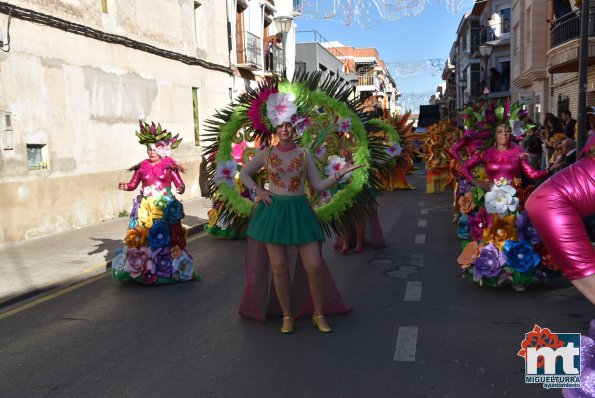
x=155, y=242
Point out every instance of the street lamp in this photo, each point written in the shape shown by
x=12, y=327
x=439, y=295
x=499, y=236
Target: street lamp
x=485, y=50
x=283, y=24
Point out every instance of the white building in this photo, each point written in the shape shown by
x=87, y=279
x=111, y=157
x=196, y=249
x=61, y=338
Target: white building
x=77, y=75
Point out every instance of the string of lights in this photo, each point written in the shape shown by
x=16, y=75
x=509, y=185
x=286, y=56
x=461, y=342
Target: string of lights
x=412, y=100
x=369, y=13
x=71, y=27
x=403, y=70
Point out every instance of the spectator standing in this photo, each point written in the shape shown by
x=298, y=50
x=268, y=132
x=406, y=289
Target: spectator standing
x=569, y=124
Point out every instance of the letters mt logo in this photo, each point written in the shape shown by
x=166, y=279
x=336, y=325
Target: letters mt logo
x=551, y=358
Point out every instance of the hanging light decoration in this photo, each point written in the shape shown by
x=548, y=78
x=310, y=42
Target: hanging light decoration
x=412, y=100
x=369, y=13
x=413, y=68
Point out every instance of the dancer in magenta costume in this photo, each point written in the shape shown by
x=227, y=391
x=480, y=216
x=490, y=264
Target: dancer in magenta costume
x=155, y=251
x=557, y=208
x=503, y=247
x=501, y=163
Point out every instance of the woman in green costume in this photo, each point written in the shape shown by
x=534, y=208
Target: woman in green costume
x=284, y=216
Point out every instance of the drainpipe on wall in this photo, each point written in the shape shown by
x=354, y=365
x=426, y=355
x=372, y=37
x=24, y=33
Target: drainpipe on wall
x=582, y=76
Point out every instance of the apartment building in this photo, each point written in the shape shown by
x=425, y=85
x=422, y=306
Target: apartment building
x=562, y=59
x=264, y=41
x=314, y=53
x=529, y=73
x=374, y=83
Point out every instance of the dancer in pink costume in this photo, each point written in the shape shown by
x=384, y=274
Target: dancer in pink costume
x=502, y=247
x=557, y=208
x=155, y=251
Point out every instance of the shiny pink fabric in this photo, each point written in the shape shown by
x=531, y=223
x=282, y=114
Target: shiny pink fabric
x=556, y=209
x=468, y=142
x=160, y=174
x=260, y=299
x=508, y=164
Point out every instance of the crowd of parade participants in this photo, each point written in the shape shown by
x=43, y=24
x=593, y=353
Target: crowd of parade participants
x=291, y=163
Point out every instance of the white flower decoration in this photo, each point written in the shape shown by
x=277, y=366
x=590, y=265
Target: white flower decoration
x=500, y=200
x=280, y=108
x=394, y=150
x=183, y=267
x=226, y=173
x=119, y=262
x=336, y=163
x=325, y=196
x=162, y=148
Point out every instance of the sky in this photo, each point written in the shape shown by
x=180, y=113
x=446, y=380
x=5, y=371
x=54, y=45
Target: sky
x=427, y=36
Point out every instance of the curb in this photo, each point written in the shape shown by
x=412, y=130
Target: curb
x=13, y=301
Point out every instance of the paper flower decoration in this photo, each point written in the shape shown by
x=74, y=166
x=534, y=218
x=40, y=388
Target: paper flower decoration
x=226, y=173
x=490, y=262
x=394, y=150
x=344, y=125
x=336, y=163
x=500, y=200
x=521, y=255
x=280, y=108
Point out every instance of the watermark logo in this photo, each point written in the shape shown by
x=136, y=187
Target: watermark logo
x=552, y=359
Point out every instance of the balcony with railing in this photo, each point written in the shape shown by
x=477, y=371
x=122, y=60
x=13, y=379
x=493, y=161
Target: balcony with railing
x=249, y=52
x=368, y=83
x=564, y=42
x=273, y=60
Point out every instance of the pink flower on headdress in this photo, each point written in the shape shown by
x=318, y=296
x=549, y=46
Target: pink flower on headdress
x=226, y=173
x=280, y=108
x=344, y=125
x=162, y=148
x=255, y=113
x=300, y=124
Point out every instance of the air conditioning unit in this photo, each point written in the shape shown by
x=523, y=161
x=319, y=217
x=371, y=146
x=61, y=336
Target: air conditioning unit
x=6, y=130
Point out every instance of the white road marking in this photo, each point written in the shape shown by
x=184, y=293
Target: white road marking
x=422, y=223
x=417, y=260
x=420, y=239
x=413, y=291
x=406, y=344
x=423, y=211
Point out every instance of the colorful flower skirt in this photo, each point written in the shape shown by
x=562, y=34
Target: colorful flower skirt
x=500, y=246
x=155, y=251
x=289, y=220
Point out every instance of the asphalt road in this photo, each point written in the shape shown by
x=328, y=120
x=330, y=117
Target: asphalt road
x=417, y=330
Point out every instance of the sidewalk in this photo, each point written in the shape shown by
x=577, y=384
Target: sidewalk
x=38, y=265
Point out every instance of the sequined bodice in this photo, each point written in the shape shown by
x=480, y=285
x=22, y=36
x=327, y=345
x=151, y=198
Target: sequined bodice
x=286, y=170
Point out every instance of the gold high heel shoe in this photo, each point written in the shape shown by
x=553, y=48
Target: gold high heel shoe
x=322, y=328
x=287, y=329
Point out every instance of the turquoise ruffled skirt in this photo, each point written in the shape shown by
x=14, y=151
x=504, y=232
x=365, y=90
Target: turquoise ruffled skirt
x=289, y=220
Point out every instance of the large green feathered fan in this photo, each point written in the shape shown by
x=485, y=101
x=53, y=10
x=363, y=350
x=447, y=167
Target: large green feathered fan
x=336, y=126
